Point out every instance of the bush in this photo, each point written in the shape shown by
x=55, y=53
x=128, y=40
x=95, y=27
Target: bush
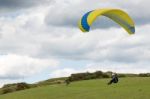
x=7, y=90
x=121, y=75
x=14, y=87
x=144, y=75
x=87, y=76
x=105, y=75
x=99, y=74
x=8, y=85
x=22, y=86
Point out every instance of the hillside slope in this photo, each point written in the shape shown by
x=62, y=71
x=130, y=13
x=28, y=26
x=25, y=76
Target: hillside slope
x=127, y=88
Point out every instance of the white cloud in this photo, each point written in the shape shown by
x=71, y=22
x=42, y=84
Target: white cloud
x=68, y=13
x=16, y=66
x=15, y=5
x=63, y=72
x=27, y=34
x=137, y=67
x=98, y=45
x=7, y=81
x=22, y=33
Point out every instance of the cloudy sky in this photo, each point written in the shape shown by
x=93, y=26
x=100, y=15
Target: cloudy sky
x=39, y=39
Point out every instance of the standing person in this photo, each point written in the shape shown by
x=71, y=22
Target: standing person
x=114, y=79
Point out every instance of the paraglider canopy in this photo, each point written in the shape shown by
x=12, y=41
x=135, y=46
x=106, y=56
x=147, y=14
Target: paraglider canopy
x=117, y=15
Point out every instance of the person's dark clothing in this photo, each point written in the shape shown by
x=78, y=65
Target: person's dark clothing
x=114, y=79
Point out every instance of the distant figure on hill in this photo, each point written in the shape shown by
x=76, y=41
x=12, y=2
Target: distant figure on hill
x=114, y=79
x=67, y=81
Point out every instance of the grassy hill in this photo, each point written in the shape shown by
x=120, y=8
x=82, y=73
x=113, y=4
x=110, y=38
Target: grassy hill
x=127, y=88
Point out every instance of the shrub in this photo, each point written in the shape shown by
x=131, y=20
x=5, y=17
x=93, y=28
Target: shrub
x=99, y=74
x=8, y=85
x=87, y=76
x=14, y=87
x=22, y=86
x=7, y=90
x=121, y=75
x=144, y=75
x=105, y=75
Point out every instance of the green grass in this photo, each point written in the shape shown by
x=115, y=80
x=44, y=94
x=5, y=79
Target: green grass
x=127, y=88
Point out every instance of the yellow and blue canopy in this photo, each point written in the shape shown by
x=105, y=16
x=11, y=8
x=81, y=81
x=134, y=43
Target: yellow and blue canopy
x=117, y=15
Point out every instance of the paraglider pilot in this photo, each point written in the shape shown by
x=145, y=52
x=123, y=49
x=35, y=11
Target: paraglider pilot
x=114, y=79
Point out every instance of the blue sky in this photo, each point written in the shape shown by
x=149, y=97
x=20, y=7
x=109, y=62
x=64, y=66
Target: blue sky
x=41, y=40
